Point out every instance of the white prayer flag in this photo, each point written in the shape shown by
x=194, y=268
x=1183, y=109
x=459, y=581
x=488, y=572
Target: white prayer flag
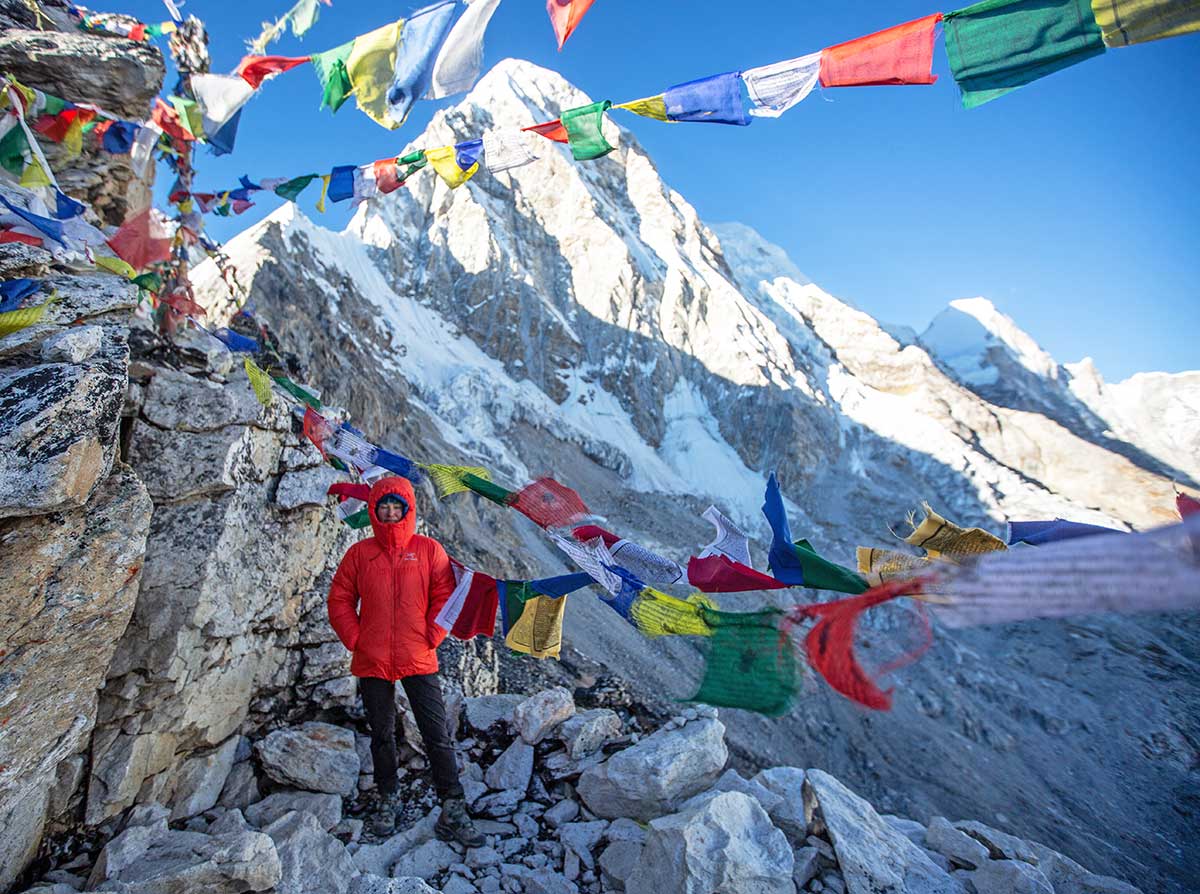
x=461, y=56
x=777, y=87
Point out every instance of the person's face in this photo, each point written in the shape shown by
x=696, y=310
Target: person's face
x=390, y=513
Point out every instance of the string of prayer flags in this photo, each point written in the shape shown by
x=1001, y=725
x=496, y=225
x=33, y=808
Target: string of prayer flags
x=471, y=609
x=412, y=73
x=565, y=16
x=716, y=99
x=143, y=239
x=899, y=55
x=830, y=642
x=256, y=69
x=651, y=107
x=15, y=320
x=301, y=17
x=794, y=563
x=1035, y=533
x=116, y=24
x=549, y=504
x=749, y=663
x=504, y=149
x=461, y=57
x=1126, y=22
x=584, y=127
x=370, y=65
x=330, y=67
x=259, y=381
x=940, y=538
x=775, y=88
x=996, y=46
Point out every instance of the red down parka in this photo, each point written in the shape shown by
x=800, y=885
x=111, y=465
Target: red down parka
x=387, y=591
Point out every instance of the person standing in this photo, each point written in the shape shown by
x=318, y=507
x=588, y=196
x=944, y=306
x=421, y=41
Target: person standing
x=382, y=603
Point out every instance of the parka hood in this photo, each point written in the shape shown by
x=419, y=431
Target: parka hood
x=393, y=537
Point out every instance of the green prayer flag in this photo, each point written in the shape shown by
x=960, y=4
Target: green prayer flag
x=151, y=282
x=12, y=151
x=292, y=189
x=330, y=67
x=359, y=520
x=297, y=392
x=53, y=104
x=998, y=45
x=750, y=663
x=821, y=574
x=190, y=116
x=584, y=134
x=489, y=489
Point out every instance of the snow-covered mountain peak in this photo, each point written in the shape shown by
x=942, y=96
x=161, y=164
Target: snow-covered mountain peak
x=756, y=260
x=965, y=335
x=517, y=93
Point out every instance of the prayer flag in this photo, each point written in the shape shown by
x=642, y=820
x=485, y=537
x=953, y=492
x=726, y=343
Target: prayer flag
x=879, y=566
x=220, y=97
x=584, y=127
x=256, y=69
x=397, y=464
x=718, y=574
x=536, y=621
x=461, y=56
x=471, y=609
x=939, y=537
x=1187, y=506
x=352, y=448
x=731, y=541
x=317, y=429
x=488, y=489
x=750, y=664
x=167, y=121
x=448, y=480
x=899, y=55
x=594, y=558
x=997, y=46
x=119, y=136
x=15, y=320
x=324, y=191
x=551, y=130
x=115, y=265
x=187, y=113
x=419, y=42
x=14, y=291
x=1035, y=533
x=259, y=381
x=549, y=504
x=291, y=189
x=565, y=16
x=504, y=149
x=341, y=183
x=309, y=400
x=584, y=533
x=344, y=490
x=1126, y=22
x=646, y=566
x=387, y=175
x=798, y=563
x=142, y=240
x=657, y=614
x=221, y=142
x=716, y=99
x=775, y=88
x=330, y=67
x=651, y=107
x=370, y=65
x=355, y=514
x=13, y=146
x=142, y=152
x=237, y=343
x=444, y=160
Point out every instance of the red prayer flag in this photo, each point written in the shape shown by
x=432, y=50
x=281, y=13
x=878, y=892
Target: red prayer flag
x=899, y=55
x=256, y=69
x=317, y=429
x=137, y=32
x=387, y=175
x=343, y=490
x=565, y=16
x=478, y=614
x=720, y=574
x=551, y=130
x=168, y=121
x=549, y=504
x=142, y=240
x=56, y=126
x=13, y=236
x=586, y=533
x=1187, y=506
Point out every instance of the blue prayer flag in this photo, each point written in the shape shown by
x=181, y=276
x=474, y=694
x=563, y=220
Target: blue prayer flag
x=420, y=39
x=716, y=99
x=14, y=291
x=45, y=225
x=1035, y=533
x=781, y=559
x=238, y=344
x=221, y=142
x=118, y=139
x=467, y=154
x=341, y=183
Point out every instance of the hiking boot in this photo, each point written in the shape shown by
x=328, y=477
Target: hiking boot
x=381, y=818
x=455, y=824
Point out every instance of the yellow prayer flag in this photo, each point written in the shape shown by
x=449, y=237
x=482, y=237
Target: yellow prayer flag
x=370, y=65
x=651, y=107
x=448, y=480
x=444, y=160
x=656, y=614
x=881, y=565
x=16, y=320
x=324, y=189
x=944, y=539
x=538, y=632
x=73, y=138
x=259, y=381
x=34, y=176
x=115, y=265
x=1125, y=22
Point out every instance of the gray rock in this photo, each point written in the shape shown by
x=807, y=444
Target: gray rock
x=482, y=857
x=1000, y=845
x=457, y=885
x=241, y=788
x=562, y=812
x=310, y=858
x=1068, y=877
x=547, y=881
x=658, y=773
x=572, y=866
x=307, y=487
x=318, y=757
x=618, y=862
x=731, y=781
x=910, y=829
x=327, y=809
x=73, y=345
x=728, y=844
x=499, y=804
x=1010, y=877
x=956, y=846
x=587, y=731
x=624, y=829
x=560, y=765
x=788, y=784
x=426, y=860
x=526, y=825
x=871, y=854
x=200, y=780
x=582, y=838
x=186, y=862
x=512, y=769
x=540, y=714
x=485, y=711
x=229, y=822
x=374, y=884
x=804, y=866
x=377, y=859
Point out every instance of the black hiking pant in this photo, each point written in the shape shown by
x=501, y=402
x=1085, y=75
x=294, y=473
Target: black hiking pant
x=425, y=696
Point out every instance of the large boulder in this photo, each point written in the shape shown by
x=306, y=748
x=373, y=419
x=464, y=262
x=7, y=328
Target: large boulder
x=310, y=858
x=512, y=769
x=1010, y=877
x=788, y=814
x=325, y=807
x=186, y=862
x=587, y=731
x=657, y=774
x=728, y=844
x=872, y=856
x=486, y=711
x=378, y=859
x=318, y=757
x=200, y=780
x=539, y=714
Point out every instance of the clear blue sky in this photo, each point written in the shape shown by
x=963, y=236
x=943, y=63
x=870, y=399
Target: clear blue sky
x=1074, y=204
